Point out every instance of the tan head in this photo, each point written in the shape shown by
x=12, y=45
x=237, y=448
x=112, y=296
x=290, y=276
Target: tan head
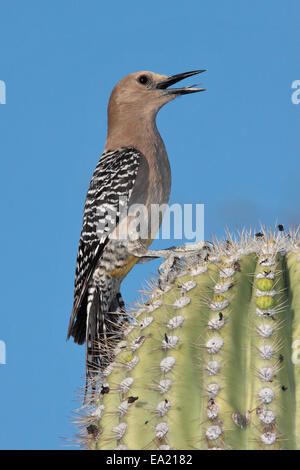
x=148, y=91
x=138, y=97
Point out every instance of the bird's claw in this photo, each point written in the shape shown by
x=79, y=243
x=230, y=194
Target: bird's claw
x=171, y=255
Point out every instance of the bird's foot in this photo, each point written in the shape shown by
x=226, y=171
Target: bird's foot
x=172, y=255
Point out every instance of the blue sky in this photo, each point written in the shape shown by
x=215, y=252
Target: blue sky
x=234, y=148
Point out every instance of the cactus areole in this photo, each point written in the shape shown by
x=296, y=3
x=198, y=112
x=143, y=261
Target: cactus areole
x=212, y=360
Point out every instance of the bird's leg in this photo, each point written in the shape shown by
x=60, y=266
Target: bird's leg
x=171, y=255
x=138, y=249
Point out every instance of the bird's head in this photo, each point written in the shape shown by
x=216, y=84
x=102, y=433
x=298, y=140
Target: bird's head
x=149, y=91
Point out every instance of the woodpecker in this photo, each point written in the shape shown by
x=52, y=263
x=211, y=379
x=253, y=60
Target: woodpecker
x=133, y=170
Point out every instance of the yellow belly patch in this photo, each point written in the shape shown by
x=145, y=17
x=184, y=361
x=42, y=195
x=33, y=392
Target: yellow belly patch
x=124, y=270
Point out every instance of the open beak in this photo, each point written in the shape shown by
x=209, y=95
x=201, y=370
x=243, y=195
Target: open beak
x=177, y=78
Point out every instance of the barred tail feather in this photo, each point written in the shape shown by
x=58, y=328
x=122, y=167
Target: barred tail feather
x=104, y=328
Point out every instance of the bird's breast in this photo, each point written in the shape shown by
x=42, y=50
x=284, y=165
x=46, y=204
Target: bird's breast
x=159, y=174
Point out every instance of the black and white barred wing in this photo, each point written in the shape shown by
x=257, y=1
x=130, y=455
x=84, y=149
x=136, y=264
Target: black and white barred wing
x=109, y=192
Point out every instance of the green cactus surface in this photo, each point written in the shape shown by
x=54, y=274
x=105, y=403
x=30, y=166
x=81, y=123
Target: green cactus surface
x=212, y=359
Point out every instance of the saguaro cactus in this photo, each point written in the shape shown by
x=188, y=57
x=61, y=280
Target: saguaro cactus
x=211, y=360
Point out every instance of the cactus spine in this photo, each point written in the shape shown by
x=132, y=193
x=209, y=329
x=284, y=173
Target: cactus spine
x=211, y=360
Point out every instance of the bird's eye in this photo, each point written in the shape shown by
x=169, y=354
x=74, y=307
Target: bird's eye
x=143, y=79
